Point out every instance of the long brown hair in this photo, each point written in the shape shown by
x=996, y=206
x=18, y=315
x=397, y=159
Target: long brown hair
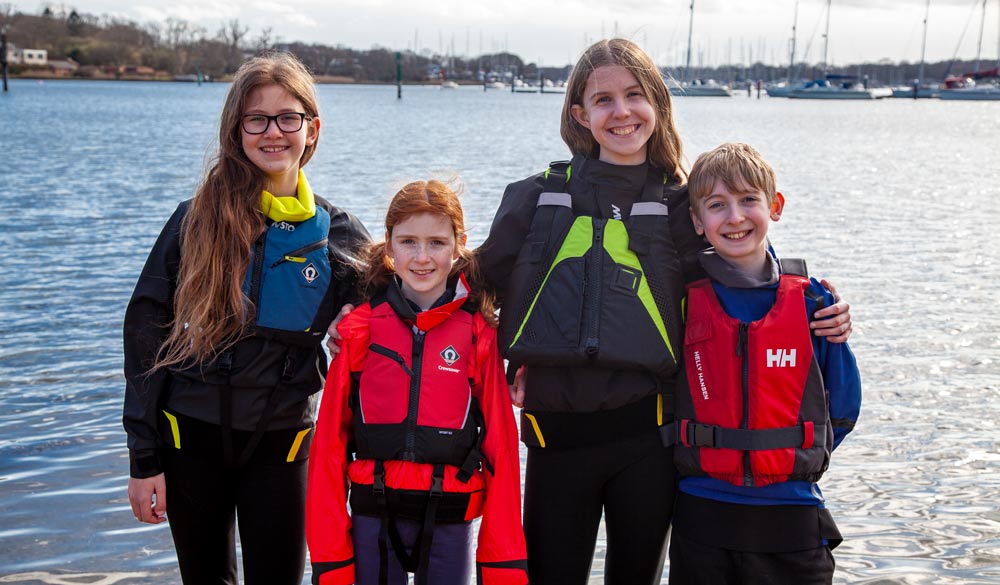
x=436, y=197
x=210, y=310
x=664, y=147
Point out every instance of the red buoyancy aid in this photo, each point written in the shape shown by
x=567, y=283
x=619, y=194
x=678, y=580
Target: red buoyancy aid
x=752, y=409
x=413, y=400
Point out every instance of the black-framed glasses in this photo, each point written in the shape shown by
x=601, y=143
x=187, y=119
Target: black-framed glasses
x=288, y=122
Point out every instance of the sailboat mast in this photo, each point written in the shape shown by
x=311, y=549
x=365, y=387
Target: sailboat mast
x=923, y=47
x=687, y=66
x=791, y=58
x=826, y=37
x=979, y=46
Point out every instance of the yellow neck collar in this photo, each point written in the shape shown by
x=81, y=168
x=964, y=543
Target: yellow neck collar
x=294, y=209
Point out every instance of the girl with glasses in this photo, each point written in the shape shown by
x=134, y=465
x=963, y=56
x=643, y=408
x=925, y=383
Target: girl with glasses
x=223, y=334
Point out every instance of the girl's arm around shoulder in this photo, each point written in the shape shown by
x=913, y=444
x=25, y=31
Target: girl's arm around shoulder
x=328, y=524
x=840, y=372
x=511, y=223
x=501, y=556
x=687, y=242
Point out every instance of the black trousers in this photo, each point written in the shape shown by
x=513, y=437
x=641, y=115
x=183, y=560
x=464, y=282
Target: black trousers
x=204, y=501
x=631, y=480
x=693, y=563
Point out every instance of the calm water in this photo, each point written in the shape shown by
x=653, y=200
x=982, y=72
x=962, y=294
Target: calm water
x=897, y=202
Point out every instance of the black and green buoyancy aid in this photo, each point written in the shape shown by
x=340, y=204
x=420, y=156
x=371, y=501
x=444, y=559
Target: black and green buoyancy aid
x=595, y=291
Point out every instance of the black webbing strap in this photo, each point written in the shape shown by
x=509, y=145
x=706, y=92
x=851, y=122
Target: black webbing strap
x=475, y=455
x=644, y=213
x=224, y=365
x=694, y=434
x=378, y=488
x=668, y=434
x=419, y=557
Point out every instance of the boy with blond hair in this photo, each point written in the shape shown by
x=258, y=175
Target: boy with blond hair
x=763, y=403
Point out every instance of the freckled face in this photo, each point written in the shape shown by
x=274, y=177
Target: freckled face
x=423, y=249
x=618, y=114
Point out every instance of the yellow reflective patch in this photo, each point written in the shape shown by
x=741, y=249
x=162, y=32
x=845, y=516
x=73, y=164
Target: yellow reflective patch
x=296, y=444
x=295, y=259
x=174, y=430
x=659, y=410
x=538, y=431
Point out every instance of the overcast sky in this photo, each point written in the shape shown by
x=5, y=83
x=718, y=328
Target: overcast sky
x=554, y=32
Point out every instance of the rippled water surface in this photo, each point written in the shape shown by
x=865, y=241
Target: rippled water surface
x=896, y=201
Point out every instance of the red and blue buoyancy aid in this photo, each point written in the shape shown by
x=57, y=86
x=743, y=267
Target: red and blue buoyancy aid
x=752, y=409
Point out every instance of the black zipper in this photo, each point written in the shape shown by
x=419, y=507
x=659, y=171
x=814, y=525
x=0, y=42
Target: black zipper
x=742, y=352
x=592, y=345
x=301, y=252
x=409, y=453
x=383, y=350
x=257, y=269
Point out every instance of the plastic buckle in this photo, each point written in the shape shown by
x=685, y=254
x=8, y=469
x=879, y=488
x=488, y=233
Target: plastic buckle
x=378, y=484
x=225, y=362
x=437, y=486
x=700, y=435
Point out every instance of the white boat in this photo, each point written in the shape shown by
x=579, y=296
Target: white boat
x=822, y=89
x=549, y=87
x=965, y=87
x=449, y=85
x=701, y=88
x=972, y=93
x=697, y=87
x=495, y=85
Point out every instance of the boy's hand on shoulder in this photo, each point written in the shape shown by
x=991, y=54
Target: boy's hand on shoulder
x=833, y=322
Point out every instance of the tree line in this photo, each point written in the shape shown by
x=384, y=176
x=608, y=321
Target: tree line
x=177, y=46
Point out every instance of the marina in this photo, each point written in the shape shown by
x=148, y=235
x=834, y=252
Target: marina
x=885, y=198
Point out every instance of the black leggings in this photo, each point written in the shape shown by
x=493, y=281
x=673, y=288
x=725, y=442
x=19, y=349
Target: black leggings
x=204, y=499
x=632, y=480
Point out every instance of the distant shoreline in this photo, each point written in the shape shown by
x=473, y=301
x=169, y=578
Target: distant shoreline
x=319, y=79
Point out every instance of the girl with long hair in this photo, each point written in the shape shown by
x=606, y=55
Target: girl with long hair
x=416, y=419
x=588, y=261
x=223, y=333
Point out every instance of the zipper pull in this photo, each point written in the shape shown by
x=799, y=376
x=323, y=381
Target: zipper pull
x=741, y=341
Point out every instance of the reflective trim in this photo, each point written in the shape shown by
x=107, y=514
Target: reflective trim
x=648, y=208
x=561, y=199
x=174, y=430
x=296, y=444
x=538, y=431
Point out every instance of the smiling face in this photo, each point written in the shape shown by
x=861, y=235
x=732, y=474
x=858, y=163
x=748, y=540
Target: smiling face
x=274, y=152
x=736, y=224
x=423, y=248
x=618, y=114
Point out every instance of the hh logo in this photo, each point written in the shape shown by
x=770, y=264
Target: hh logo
x=449, y=355
x=780, y=358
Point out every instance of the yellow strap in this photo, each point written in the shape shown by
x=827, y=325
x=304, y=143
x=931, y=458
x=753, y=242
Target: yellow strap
x=296, y=444
x=174, y=430
x=538, y=431
x=659, y=410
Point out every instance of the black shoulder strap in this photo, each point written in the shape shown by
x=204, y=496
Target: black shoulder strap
x=645, y=213
x=796, y=266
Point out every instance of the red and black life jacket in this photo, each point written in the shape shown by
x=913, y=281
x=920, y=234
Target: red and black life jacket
x=752, y=409
x=413, y=401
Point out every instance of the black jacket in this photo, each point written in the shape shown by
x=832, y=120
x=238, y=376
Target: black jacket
x=257, y=362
